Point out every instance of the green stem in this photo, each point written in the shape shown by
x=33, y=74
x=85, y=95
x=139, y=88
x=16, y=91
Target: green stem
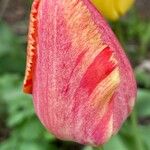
x=137, y=138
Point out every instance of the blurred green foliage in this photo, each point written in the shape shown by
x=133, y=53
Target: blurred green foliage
x=19, y=127
x=11, y=51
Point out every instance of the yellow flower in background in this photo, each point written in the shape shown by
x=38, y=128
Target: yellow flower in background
x=113, y=9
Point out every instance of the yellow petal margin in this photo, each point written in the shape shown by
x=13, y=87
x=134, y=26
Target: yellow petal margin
x=113, y=9
x=31, y=49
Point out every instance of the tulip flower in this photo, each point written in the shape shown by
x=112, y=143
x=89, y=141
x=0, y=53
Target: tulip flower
x=113, y=9
x=82, y=83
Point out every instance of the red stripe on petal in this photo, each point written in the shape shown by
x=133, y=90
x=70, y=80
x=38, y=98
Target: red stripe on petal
x=101, y=67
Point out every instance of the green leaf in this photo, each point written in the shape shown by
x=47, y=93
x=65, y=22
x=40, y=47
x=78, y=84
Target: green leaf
x=48, y=136
x=32, y=129
x=9, y=144
x=116, y=143
x=145, y=135
x=7, y=39
x=143, y=103
x=143, y=77
x=19, y=105
x=12, y=51
x=33, y=146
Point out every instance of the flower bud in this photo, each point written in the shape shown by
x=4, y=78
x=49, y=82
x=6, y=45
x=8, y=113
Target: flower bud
x=82, y=83
x=113, y=9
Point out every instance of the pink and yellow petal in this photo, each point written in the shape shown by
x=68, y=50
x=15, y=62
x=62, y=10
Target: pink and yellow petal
x=79, y=72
